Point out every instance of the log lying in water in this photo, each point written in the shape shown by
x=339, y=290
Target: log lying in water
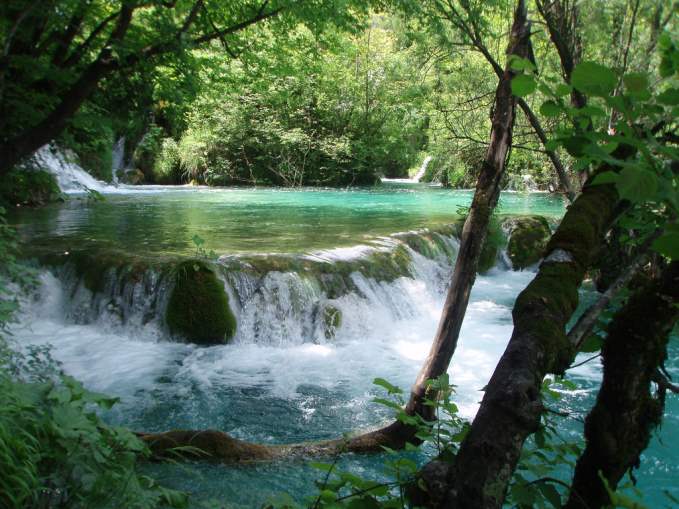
x=214, y=445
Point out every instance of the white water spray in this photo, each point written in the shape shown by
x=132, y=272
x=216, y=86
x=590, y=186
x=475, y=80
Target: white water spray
x=417, y=177
x=118, y=159
x=71, y=178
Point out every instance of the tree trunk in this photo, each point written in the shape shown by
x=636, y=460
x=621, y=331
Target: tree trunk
x=620, y=424
x=511, y=407
x=561, y=172
x=476, y=225
x=13, y=151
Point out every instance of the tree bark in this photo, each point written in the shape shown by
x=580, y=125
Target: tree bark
x=475, y=37
x=626, y=412
x=14, y=150
x=511, y=408
x=476, y=225
x=562, y=24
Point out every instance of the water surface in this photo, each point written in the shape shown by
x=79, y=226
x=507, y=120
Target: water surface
x=163, y=220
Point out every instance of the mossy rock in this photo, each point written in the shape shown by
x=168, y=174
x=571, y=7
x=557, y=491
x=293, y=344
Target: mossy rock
x=133, y=177
x=30, y=188
x=332, y=320
x=199, y=306
x=528, y=239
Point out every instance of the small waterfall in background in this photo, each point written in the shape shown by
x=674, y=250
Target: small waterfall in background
x=423, y=169
x=71, y=178
x=418, y=176
x=118, y=159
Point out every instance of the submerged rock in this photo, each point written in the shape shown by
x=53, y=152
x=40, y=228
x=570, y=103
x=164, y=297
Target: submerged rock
x=528, y=237
x=198, y=308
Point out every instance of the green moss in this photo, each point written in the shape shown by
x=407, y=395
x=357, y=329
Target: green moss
x=495, y=240
x=199, y=307
x=30, y=188
x=332, y=320
x=527, y=241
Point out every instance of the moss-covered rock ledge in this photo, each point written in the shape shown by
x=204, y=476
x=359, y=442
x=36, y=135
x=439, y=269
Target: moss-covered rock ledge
x=528, y=237
x=198, y=308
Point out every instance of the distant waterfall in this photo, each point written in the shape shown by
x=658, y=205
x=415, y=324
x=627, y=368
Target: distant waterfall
x=118, y=159
x=423, y=169
x=420, y=173
x=71, y=178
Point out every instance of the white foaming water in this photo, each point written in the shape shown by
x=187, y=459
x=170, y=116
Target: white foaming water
x=118, y=159
x=70, y=177
x=417, y=177
x=386, y=331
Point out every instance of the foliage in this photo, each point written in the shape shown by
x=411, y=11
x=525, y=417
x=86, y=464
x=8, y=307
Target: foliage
x=55, y=449
x=535, y=483
x=637, y=116
x=29, y=187
x=328, y=115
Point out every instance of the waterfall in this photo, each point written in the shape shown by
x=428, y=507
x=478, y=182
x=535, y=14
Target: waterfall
x=118, y=159
x=423, y=169
x=71, y=178
x=418, y=176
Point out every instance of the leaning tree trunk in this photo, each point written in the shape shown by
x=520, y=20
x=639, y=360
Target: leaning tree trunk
x=476, y=225
x=626, y=412
x=221, y=446
x=511, y=408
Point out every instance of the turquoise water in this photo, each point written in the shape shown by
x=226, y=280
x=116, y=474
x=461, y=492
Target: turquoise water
x=162, y=220
x=291, y=387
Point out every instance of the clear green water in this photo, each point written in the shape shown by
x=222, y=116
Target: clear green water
x=164, y=220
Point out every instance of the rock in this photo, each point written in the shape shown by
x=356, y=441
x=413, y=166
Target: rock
x=133, y=177
x=332, y=320
x=199, y=306
x=528, y=237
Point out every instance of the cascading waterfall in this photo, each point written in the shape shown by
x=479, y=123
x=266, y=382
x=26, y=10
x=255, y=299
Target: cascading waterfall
x=416, y=178
x=289, y=374
x=385, y=299
x=423, y=169
x=118, y=159
x=71, y=178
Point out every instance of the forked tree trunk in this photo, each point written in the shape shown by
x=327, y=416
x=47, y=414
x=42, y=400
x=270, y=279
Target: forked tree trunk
x=511, y=408
x=626, y=412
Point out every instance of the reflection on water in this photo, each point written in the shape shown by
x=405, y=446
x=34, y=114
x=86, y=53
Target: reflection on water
x=164, y=220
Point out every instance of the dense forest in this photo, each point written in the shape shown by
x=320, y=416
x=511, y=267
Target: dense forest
x=258, y=184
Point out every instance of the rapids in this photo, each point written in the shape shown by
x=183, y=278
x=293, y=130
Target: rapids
x=283, y=378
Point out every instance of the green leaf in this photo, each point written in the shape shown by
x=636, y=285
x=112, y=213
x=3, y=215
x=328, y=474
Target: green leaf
x=562, y=90
x=391, y=389
x=517, y=63
x=636, y=83
x=668, y=245
x=606, y=177
x=550, y=109
x=593, y=79
x=523, y=85
x=670, y=97
x=325, y=467
x=592, y=344
x=575, y=145
x=637, y=184
x=551, y=494
x=387, y=403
